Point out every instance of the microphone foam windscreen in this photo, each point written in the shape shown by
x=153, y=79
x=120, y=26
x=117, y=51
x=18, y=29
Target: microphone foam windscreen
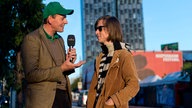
x=71, y=40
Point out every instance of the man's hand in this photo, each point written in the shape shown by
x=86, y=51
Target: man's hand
x=72, y=55
x=68, y=64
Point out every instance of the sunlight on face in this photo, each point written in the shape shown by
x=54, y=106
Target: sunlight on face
x=101, y=32
x=58, y=23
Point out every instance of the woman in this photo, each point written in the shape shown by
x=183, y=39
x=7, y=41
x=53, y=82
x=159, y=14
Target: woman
x=115, y=79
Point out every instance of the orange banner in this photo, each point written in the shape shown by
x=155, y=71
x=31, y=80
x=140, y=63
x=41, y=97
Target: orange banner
x=157, y=63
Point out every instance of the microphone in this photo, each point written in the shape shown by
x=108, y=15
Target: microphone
x=71, y=42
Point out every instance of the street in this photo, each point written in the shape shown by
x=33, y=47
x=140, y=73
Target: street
x=74, y=105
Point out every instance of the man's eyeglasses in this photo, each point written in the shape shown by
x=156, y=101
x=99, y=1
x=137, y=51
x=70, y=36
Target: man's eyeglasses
x=99, y=28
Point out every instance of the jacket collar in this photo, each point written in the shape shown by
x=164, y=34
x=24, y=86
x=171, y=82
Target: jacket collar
x=45, y=41
x=114, y=46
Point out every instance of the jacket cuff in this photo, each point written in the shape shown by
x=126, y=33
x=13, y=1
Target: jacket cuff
x=68, y=72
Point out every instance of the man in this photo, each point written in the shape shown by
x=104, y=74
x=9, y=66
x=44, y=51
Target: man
x=46, y=63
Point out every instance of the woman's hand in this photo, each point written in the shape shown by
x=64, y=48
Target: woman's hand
x=109, y=102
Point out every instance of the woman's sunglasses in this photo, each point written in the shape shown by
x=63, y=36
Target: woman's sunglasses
x=99, y=28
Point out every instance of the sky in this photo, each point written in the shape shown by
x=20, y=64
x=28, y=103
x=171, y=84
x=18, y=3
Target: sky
x=165, y=21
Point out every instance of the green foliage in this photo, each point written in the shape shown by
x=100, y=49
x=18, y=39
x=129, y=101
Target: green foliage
x=10, y=79
x=74, y=84
x=187, y=67
x=17, y=18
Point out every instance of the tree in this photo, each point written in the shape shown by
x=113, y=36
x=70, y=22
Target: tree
x=17, y=18
x=75, y=84
x=187, y=69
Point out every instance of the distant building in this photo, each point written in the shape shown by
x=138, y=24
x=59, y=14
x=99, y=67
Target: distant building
x=130, y=15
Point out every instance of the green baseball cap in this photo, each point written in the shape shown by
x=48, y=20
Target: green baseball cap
x=55, y=8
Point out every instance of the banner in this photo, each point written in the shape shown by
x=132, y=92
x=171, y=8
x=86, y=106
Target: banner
x=157, y=63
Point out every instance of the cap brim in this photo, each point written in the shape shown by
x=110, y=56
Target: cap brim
x=67, y=12
x=70, y=12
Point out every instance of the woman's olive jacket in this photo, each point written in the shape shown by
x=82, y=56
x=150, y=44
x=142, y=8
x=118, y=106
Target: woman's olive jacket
x=121, y=82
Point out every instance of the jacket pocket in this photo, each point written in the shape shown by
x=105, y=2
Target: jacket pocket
x=109, y=106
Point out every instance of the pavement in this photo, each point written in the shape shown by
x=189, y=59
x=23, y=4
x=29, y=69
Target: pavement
x=141, y=107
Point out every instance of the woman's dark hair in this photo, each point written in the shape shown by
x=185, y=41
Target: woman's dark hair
x=113, y=27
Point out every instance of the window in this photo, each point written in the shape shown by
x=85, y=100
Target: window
x=129, y=2
x=108, y=7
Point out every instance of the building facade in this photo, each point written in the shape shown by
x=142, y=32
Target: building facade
x=130, y=15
